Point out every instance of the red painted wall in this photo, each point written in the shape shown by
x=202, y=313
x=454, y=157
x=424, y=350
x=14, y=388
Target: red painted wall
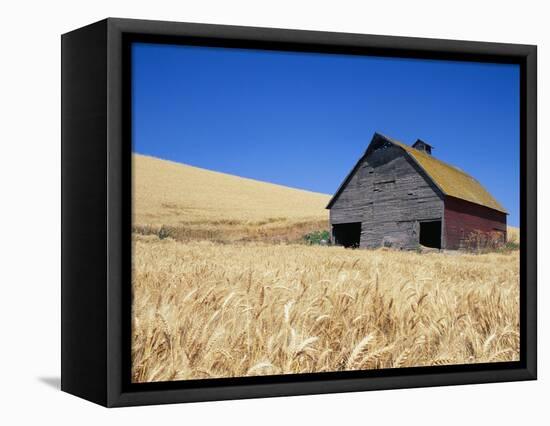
x=462, y=218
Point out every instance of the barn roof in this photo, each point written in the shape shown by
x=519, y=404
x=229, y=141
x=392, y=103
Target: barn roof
x=449, y=179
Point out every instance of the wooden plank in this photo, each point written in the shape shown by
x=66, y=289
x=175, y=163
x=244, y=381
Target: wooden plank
x=388, y=194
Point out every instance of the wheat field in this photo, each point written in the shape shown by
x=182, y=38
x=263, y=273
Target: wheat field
x=218, y=295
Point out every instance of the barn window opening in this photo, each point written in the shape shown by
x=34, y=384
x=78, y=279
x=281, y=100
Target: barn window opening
x=347, y=234
x=430, y=234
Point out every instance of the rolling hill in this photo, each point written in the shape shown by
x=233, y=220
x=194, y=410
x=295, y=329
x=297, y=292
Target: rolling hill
x=190, y=203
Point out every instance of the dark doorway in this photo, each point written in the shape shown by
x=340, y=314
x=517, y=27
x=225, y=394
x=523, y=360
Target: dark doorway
x=347, y=234
x=430, y=234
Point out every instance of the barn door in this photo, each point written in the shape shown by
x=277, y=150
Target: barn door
x=430, y=234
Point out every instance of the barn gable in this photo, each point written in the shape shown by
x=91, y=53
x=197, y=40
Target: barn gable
x=384, y=199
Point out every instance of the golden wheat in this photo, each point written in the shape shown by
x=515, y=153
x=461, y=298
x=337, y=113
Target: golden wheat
x=207, y=310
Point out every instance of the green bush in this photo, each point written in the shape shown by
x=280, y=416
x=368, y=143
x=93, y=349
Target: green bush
x=511, y=245
x=317, y=238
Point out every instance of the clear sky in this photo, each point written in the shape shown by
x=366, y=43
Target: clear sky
x=304, y=119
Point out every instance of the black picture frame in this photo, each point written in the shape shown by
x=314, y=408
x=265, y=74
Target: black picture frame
x=96, y=225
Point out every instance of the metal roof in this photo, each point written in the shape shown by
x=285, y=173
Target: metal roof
x=449, y=179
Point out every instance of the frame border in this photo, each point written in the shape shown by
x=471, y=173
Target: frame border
x=118, y=391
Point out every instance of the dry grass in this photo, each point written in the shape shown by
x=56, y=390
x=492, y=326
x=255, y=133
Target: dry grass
x=216, y=294
x=206, y=310
x=188, y=203
x=512, y=234
x=273, y=230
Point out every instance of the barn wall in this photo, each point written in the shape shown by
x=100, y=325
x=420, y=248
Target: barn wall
x=462, y=218
x=389, y=194
x=351, y=202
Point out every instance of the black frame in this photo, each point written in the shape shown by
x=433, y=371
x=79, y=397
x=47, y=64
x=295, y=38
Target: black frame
x=96, y=212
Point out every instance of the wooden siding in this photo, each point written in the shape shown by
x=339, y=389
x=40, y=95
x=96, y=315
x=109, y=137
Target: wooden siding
x=462, y=218
x=389, y=194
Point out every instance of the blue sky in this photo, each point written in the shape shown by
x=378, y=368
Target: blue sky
x=303, y=119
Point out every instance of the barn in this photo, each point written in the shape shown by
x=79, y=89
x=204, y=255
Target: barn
x=400, y=196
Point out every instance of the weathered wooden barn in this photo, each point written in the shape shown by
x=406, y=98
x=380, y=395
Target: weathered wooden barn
x=401, y=196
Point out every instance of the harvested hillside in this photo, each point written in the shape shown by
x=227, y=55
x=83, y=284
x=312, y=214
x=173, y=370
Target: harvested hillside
x=190, y=203
x=168, y=193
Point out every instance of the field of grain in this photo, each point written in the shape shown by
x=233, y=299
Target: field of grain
x=231, y=291
x=205, y=310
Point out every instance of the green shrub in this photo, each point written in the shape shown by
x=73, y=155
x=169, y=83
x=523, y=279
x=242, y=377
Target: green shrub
x=317, y=238
x=511, y=246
